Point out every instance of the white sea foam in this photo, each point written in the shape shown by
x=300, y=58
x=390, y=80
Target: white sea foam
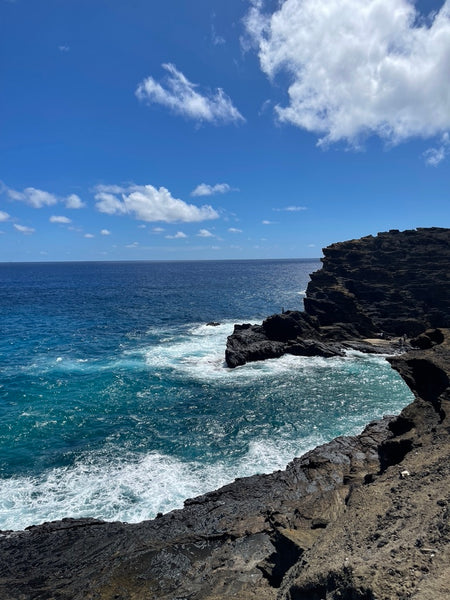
x=133, y=487
x=130, y=489
x=199, y=353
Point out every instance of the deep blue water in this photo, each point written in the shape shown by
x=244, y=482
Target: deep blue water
x=115, y=401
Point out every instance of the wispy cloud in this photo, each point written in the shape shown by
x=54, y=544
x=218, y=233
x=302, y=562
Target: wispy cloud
x=434, y=156
x=33, y=197
x=64, y=48
x=216, y=39
x=205, y=233
x=179, y=235
x=23, y=229
x=105, y=232
x=181, y=96
x=4, y=216
x=89, y=236
x=205, y=189
x=39, y=198
x=290, y=209
x=147, y=203
x=234, y=230
x=358, y=68
x=59, y=219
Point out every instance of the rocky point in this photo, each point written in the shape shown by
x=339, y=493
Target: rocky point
x=370, y=294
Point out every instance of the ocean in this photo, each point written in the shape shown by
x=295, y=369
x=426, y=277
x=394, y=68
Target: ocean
x=115, y=400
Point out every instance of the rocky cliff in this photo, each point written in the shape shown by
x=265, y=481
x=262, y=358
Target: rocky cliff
x=364, y=517
x=385, y=287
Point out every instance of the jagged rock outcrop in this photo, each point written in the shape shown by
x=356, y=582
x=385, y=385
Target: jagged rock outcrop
x=292, y=332
x=397, y=283
x=389, y=286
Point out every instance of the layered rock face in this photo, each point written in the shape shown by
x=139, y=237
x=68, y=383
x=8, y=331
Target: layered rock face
x=396, y=283
x=364, y=517
x=389, y=286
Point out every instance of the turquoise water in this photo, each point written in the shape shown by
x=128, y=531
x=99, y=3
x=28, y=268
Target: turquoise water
x=116, y=403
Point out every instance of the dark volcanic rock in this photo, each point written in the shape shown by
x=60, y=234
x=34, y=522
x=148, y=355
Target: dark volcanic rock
x=313, y=348
x=397, y=283
x=248, y=343
x=292, y=332
x=394, y=284
x=290, y=325
x=428, y=339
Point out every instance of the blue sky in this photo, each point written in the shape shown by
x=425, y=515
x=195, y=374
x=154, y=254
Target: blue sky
x=212, y=130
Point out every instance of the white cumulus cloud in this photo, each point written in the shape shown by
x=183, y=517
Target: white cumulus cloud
x=89, y=235
x=59, y=219
x=147, y=203
x=234, y=230
x=4, y=216
x=205, y=189
x=181, y=96
x=74, y=201
x=358, y=67
x=105, y=232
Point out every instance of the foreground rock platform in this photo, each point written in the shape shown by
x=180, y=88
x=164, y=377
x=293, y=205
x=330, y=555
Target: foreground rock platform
x=364, y=517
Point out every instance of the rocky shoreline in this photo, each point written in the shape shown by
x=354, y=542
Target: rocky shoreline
x=364, y=517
